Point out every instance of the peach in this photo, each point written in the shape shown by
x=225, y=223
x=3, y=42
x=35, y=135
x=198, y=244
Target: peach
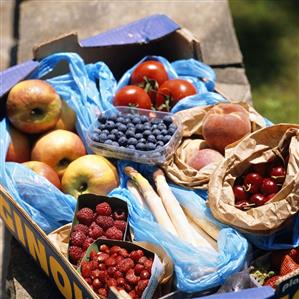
x=225, y=124
x=202, y=157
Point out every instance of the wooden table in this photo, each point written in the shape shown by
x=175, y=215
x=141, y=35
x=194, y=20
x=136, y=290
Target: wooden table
x=39, y=21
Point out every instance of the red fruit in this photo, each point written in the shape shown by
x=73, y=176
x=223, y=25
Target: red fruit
x=272, y=281
x=268, y=187
x=252, y=182
x=103, y=292
x=148, y=264
x=94, y=264
x=104, y=222
x=119, y=215
x=258, y=199
x=142, y=284
x=128, y=287
x=88, y=241
x=104, y=209
x=114, y=233
x=86, y=269
x=95, y=273
x=102, y=276
x=111, y=282
x=105, y=248
x=144, y=274
x=97, y=283
x=240, y=194
x=81, y=227
x=120, y=224
x=268, y=197
x=77, y=238
x=110, y=261
x=118, y=274
x=88, y=280
x=123, y=252
x=75, y=253
x=260, y=168
x=138, y=268
x=294, y=254
x=102, y=267
x=142, y=260
x=111, y=270
x=125, y=265
x=95, y=232
x=135, y=255
x=85, y=216
x=102, y=257
x=121, y=282
x=133, y=294
x=278, y=174
x=131, y=277
x=288, y=265
x=115, y=249
x=118, y=258
x=92, y=254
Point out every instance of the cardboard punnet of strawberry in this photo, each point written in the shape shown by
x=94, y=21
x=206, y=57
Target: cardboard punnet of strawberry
x=276, y=143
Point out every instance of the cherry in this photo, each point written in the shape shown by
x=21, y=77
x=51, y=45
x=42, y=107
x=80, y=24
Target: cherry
x=252, y=182
x=278, y=174
x=268, y=186
x=260, y=169
x=240, y=194
x=268, y=197
x=258, y=199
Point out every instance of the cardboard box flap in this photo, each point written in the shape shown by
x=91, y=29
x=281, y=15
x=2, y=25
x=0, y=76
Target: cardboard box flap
x=141, y=31
x=12, y=75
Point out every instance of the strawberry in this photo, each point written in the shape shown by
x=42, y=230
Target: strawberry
x=288, y=265
x=85, y=216
x=272, y=281
x=103, y=209
x=85, y=269
x=294, y=254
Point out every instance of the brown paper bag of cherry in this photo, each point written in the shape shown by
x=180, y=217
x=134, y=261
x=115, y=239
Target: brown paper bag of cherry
x=260, y=183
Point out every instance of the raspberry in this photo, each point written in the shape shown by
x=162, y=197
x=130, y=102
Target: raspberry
x=88, y=241
x=125, y=265
x=114, y=233
x=95, y=232
x=81, y=227
x=119, y=215
x=131, y=277
x=75, y=254
x=77, y=238
x=85, y=216
x=104, y=222
x=103, y=209
x=120, y=224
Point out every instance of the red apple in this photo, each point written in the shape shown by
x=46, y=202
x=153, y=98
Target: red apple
x=202, y=157
x=58, y=149
x=33, y=106
x=44, y=170
x=90, y=174
x=19, y=147
x=67, y=120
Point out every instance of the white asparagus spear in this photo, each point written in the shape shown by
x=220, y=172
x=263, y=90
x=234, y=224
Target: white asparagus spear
x=135, y=192
x=152, y=199
x=173, y=208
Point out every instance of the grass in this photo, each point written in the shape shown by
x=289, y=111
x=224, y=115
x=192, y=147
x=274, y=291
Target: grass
x=268, y=33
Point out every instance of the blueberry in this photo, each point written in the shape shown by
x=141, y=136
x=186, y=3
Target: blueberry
x=130, y=116
x=167, y=120
x=130, y=125
x=130, y=133
x=95, y=137
x=139, y=128
x=114, y=143
x=119, y=134
x=154, y=127
x=164, y=132
x=144, y=118
x=171, y=131
x=126, y=120
x=150, y=146
x=103, y=137
x=147, y=127
x=166, y=138
x=142, y=140
x=151, y=138
x=97, y=131
x=122, y=140
x=110, y=125
x=140, y=146
x=160, y=143
x=131, y=146
x=102, y=126
x=146, y=133
x=155, y=121
x=156, y=132
x=160, y=137
x=114, y=131
x=108, y=141
x=105, y=131
x=138, y=136
x=136, y=120
x=172, y=126
x=122, y=127
x=102, y=119
x=113, y=117
x=132, y=141
x=111, y=137
x=162, y=127
x=121, y=119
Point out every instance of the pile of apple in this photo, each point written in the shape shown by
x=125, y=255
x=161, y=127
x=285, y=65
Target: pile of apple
x=259, y=183
x=43, y=131
x=224, y=124
x=151, y=88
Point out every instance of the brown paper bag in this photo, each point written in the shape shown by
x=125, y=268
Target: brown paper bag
x=60, y=238
x=191, y=119
x=258, y=147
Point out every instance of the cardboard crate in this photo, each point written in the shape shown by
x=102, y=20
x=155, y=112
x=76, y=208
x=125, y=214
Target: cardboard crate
x=154, y=35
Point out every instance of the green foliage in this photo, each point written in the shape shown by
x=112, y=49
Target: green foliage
x=268, y=33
